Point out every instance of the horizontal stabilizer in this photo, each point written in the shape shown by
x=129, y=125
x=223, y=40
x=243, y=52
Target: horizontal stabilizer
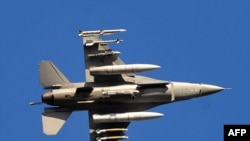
x=53, y=121
x=51, y=76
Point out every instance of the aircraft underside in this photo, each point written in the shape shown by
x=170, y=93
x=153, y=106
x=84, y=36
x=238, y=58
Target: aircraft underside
x=112, y=94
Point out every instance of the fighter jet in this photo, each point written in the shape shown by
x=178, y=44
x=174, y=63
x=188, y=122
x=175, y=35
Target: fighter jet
x=112, y=94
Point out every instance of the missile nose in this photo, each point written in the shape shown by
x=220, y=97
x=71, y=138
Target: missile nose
x=150, y=115
x=207, y=89
x=157, y=115
x=160, y=115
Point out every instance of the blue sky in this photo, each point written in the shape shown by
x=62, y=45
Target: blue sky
x=193, y=41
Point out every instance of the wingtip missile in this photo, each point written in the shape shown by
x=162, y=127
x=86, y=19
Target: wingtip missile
x=99, y=32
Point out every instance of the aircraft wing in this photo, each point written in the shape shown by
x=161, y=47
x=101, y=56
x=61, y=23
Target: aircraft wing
x=97, y=53
x=106, y=131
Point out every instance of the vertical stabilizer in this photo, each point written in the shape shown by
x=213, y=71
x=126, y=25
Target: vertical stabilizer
x=51, y=76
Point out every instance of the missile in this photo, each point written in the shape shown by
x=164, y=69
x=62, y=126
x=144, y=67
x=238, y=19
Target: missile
x=125, y=117
x=99, y=32
x=120, y=69
x=103, y=42
x=111, y=138
x=100, y=131
x=106, y=53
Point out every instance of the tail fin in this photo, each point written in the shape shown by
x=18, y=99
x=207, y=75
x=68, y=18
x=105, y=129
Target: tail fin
x=53, y=120
x=51, y=76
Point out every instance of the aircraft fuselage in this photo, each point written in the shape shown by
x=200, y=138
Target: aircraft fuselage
x=86, y=98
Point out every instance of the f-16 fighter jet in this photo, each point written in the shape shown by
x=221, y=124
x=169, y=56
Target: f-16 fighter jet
x=112, y=93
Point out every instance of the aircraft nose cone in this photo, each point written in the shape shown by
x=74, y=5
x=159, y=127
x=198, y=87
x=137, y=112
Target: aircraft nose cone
x=210, y=89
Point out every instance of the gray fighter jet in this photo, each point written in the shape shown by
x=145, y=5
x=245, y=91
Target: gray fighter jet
x=112, y=94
